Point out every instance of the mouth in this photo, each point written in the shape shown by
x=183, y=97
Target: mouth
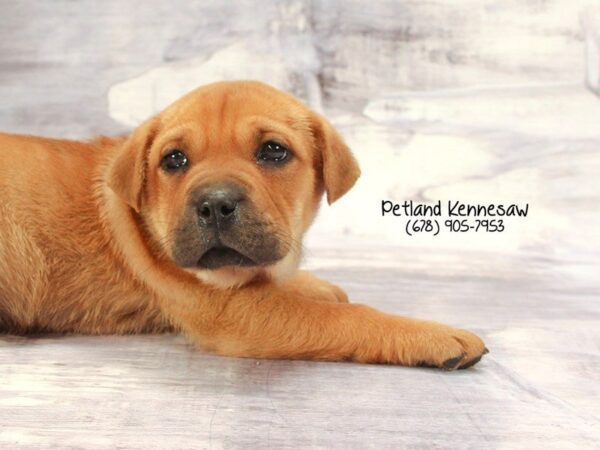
x=222, y=256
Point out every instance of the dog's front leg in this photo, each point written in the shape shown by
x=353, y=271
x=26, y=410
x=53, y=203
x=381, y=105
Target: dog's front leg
x=282, y=321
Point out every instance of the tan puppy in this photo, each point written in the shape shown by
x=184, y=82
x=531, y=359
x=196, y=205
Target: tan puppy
x=194, y=223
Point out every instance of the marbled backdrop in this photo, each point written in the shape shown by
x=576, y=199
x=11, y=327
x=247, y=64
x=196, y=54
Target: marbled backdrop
x=478, y=101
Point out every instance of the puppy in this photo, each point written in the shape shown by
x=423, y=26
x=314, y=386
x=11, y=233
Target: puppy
x=194, y=223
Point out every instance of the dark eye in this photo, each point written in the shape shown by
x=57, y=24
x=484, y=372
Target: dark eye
x=173, y=161
x=272, y=152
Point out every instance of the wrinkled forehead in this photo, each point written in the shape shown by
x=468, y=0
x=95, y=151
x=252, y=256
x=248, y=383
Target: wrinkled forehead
x=229, y=116
x=223, y=105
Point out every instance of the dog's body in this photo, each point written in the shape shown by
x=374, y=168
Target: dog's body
x=193, y=223
x=59, y=270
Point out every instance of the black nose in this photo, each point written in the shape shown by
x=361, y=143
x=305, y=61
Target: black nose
x=218, y=203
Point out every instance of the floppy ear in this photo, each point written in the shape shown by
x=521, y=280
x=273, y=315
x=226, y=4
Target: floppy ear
x=339, y=168
x=128, y=170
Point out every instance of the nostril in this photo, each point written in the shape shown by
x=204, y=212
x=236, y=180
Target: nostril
x=205, y=211
x=227, y=209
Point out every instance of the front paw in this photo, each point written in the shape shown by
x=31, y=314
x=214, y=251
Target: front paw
x=411, y=342
x=448, y=348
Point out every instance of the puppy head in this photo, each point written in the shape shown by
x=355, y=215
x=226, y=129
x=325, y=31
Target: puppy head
x=227, y=180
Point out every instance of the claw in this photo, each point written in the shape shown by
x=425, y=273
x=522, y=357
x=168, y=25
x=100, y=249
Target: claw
x=470, y=363
x=452, y=363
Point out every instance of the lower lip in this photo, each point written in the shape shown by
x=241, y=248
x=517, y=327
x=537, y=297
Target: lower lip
x=216, y=258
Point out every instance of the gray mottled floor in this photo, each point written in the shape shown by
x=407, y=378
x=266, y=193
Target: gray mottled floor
x=538, y=388
x=478, y=101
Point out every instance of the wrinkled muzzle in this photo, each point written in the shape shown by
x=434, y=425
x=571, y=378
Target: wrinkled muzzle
x=221, y=227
